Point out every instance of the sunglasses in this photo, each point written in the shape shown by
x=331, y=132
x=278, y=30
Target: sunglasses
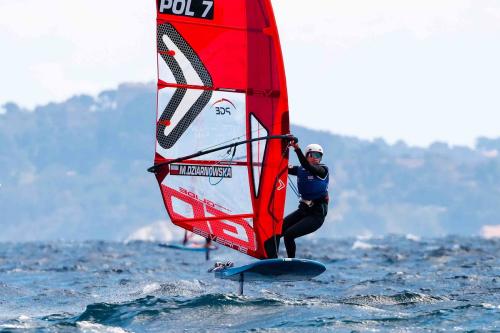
x=315, y=154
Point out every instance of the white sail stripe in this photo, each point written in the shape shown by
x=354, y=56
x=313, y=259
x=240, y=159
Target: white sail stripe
x=166, y=74
x=187, y=102
x=192, y=77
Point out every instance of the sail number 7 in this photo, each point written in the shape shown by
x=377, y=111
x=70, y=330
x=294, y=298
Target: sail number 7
x=203, y=9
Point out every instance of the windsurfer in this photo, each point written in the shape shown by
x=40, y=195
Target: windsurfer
x=312, y=180
x=188, y=236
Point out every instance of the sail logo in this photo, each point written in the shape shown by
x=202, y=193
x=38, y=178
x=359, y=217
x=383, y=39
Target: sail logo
x=223, y=107
x=201, y=171
x=185, y=105
x=203, y=9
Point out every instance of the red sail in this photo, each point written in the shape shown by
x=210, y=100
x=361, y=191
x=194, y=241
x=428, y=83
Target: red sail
x=221, y=80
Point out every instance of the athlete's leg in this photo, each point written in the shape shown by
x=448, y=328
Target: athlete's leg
x=291, y=219
x=305, y=226
x=272, y=245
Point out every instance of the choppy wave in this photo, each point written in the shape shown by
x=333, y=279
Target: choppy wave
x=396, y=283
x=89, y=327
x=403, y=299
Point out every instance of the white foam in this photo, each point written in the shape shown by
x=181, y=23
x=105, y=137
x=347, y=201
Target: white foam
x=366, y=235
x=490, y=306
x=150, y=288
x=12, y=326
x=359, y=245
x=413, y=238
x=24, y=322
x=88, y=327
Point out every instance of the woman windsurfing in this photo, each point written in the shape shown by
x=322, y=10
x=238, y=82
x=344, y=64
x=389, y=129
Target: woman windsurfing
x=312, y=181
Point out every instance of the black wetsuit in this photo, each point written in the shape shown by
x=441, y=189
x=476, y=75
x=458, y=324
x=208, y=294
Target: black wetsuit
x=306, y=219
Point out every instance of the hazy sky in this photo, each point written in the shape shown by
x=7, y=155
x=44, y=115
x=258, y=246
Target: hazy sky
x=417, y=70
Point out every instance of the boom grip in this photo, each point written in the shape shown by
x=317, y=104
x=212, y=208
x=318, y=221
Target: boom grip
x=293, y=138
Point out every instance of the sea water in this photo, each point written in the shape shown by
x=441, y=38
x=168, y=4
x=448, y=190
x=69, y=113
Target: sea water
x=389, y=284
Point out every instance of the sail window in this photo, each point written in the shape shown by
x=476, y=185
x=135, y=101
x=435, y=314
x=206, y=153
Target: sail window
x=258, y=150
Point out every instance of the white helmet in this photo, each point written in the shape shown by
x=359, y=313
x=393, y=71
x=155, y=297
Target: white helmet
x=314, y=148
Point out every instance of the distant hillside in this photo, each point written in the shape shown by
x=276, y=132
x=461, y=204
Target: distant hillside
x=77, y=170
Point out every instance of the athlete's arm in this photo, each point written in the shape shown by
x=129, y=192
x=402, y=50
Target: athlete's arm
x=317, y=170
x=292, y=170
